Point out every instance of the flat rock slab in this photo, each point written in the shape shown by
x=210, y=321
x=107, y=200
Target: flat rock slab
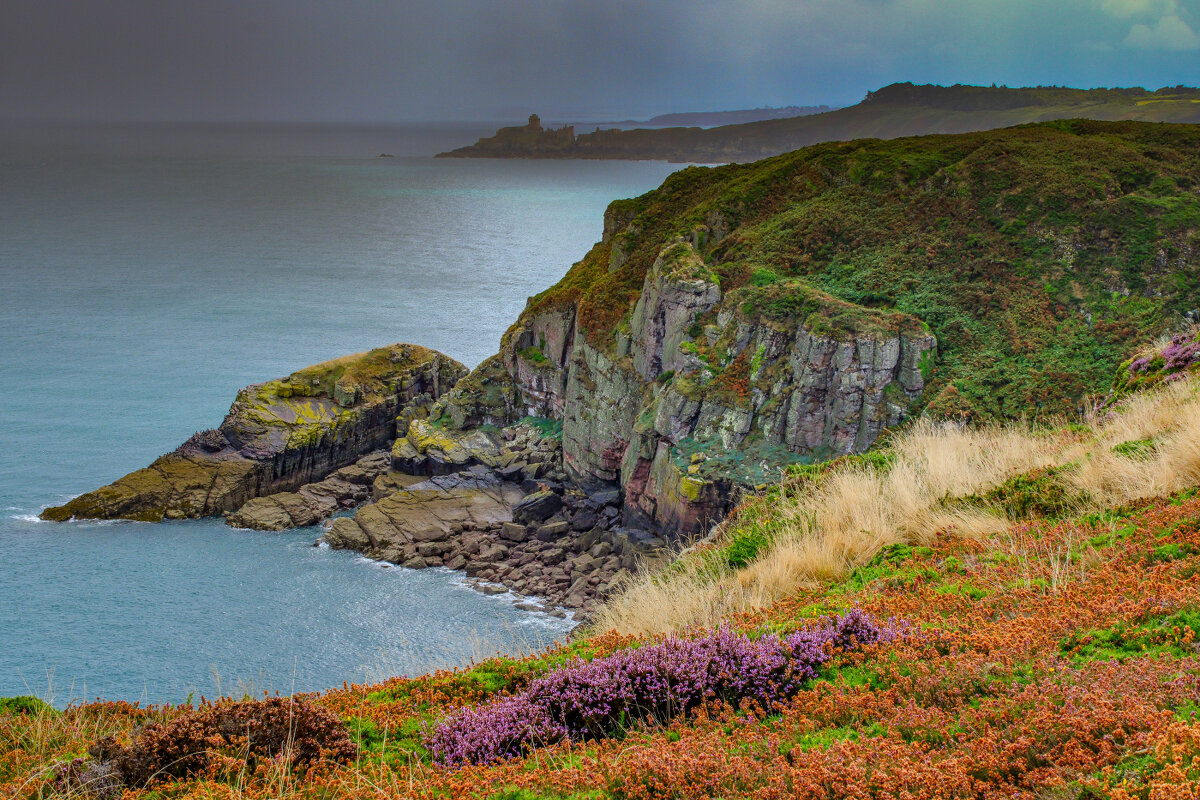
x=312, y=502
x=434, y=510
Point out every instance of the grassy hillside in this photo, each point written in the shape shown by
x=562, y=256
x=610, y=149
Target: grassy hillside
x=1038, y=255
x=891, y=112
x=1049, y=654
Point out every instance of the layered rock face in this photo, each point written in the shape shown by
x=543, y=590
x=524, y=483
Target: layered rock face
x=696, y=393
x=279, y=436
x=313, y=502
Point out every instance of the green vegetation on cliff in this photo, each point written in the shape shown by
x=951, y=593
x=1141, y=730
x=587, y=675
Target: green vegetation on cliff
x=1039, y=256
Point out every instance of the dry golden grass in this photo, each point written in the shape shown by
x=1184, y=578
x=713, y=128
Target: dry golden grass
x=824, y=528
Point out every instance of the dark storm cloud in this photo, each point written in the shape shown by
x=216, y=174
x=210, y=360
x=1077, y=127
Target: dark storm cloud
x=372, y=60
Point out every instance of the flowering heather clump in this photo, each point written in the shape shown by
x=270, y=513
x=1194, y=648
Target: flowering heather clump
x=1168, y=363
x=496, y=731
x=590, y=700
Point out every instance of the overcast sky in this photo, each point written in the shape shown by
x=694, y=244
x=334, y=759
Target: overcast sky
x=373, y=60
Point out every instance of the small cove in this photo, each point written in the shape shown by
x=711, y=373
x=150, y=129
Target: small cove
x=150, y=273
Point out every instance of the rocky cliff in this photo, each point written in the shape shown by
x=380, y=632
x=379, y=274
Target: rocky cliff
x=279, y=436
x=728, y=326
x=699, y=392
x=742, y=319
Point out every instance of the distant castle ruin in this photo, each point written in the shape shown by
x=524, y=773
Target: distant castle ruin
x=528, y=138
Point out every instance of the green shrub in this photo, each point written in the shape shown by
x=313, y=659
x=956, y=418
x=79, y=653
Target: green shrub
x=745, y=546
x=1141, y=448
x=1037, y=493
x=27, y=705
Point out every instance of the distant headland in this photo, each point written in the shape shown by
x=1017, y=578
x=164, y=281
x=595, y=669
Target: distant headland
x=901, y=109
x=711, y=118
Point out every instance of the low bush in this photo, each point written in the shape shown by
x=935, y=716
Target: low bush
x=656, y=683
x=25, y=704
x=293, y=729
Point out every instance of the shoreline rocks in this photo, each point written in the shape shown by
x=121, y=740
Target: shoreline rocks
x=513, y=523
x=313, y=502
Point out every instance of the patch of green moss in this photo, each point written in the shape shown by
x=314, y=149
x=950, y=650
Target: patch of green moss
x=823, y=738
x=534, y=355
x=516, y=793
x=1170, y=634
x=925, y=364
x=898, y=566
x=967, y=589
x=764, y=277
x=880, y=460
x=1171, y=551
x=548, y=428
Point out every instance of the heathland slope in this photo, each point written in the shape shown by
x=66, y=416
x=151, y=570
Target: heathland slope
x=1051, y=655
x=745, y=317
x=894, y=111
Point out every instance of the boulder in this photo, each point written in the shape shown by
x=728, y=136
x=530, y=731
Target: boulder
x=537, y=507
x=513, y=532
x=552, y=531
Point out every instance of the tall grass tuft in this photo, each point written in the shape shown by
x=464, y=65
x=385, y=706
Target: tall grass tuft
x=940, y=478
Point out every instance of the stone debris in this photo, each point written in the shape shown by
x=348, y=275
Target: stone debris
x=555, y=543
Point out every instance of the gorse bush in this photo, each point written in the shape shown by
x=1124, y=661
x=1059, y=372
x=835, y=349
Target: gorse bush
x=591, y=700
x=296, y=730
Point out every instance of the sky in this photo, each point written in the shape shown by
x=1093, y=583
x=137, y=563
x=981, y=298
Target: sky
x=377, y=61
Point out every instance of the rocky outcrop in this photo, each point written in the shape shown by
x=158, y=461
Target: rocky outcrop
x=279, y=436
x=697, y=392
x=507, y=516
x=398, y=527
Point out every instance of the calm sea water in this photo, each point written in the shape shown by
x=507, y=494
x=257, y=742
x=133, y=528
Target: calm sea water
x=146, y=273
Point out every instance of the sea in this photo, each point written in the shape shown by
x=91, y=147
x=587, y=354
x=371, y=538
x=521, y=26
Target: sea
x=147, y=272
